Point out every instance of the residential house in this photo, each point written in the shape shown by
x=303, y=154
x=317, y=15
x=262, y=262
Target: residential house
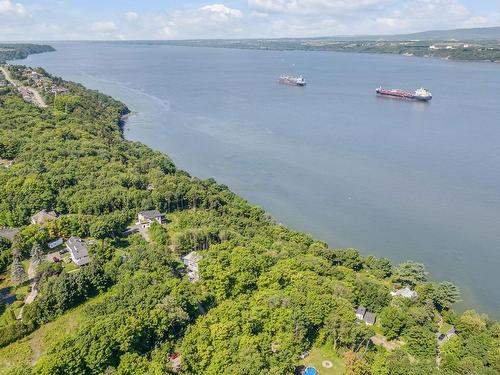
x=43, y=216
x=366, y=316
x=191, y=261
x=405, y=293
x=78, y=251
x=146, y=218
x=9, y=233
x=444, y=337
x=59, y=90
x=360, y=312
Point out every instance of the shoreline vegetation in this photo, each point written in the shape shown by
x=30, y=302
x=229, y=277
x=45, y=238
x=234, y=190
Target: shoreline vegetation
x=459, y=50
x=206, y=283
x=18, y=51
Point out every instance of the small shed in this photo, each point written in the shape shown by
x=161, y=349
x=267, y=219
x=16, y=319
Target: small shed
x=55, y=243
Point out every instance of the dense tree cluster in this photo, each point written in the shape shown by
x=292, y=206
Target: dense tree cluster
x=266, y=293
x=21, y=51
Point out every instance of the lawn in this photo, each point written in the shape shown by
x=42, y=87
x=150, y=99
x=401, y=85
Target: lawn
x=21, y=354
x=324, y=353
x=445, y=327
x=68, y=264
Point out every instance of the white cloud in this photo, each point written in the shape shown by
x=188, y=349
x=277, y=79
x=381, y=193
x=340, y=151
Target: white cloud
x=208, y=21
x=260, y=18
x=342, y=17
x=221, y=12
x=477, y=21
x=389, y=24
x=7, y=7
x=131, y=16
x=313, y=6
x=104, y=26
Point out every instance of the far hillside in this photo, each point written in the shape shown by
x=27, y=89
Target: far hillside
x=481, y=33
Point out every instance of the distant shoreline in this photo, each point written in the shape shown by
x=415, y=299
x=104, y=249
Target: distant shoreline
x=485, y=51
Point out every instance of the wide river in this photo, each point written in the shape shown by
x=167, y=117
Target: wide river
x=393, y=178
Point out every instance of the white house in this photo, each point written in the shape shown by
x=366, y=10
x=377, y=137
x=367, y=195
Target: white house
x=78, y=251
x=405, y=293
x=191, y=261
x=148, y=217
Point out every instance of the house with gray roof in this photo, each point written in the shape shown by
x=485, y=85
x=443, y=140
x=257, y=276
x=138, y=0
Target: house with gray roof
x=444, y=337
x=191, y=262
x=360, y=312
x=366, y=316
x=405, y=293
x=148, y=217
x=9, y=233
x=78, y=251
x=43, y=216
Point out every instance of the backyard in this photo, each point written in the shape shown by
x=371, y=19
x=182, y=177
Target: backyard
x=325, y=360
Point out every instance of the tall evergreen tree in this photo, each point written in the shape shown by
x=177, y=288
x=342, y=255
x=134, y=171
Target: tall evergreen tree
x=37, y=255
x=18, y=274
x=16, y=247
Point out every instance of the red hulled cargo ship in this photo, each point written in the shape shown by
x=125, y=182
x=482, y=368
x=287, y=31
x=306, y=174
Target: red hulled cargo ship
x=421, y=94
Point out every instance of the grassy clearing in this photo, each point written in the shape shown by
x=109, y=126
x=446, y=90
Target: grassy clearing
x=445, y=327
x=22, y=354
x=324, y=353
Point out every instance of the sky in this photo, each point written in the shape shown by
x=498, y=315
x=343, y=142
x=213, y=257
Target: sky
x=33, y=20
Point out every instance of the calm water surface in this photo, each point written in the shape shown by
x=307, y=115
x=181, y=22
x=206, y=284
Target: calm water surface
x=399, y=179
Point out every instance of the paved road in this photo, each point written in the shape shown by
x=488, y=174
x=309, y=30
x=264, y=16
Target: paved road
x=35, y=94
x=7, y=76
x=138, y=228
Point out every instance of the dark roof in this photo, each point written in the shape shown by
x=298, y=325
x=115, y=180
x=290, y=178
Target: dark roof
x=151, y=214
x=370, y=318
x=361, y=310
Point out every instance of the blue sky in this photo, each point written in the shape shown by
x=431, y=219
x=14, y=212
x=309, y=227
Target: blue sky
x=170, y=19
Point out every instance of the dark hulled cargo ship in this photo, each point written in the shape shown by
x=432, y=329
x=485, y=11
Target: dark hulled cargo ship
x=421, y=94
